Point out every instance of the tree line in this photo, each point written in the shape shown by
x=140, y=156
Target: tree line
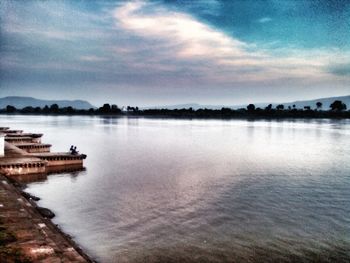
x=337, y=109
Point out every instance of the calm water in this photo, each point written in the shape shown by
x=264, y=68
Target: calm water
x=202, y=190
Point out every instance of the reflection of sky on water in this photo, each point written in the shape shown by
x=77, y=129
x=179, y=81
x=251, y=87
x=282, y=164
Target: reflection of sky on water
x=207, y=184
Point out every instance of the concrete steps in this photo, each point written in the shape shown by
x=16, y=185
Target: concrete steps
x=24, y=155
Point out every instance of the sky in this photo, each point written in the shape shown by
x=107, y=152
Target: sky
x=164, y=52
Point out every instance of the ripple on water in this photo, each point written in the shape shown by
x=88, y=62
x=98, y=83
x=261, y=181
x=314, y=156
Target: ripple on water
x=201, y=191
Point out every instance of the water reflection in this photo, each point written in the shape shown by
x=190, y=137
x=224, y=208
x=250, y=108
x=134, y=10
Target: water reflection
x=202, y=190
x=71, y=171
x=29, y=178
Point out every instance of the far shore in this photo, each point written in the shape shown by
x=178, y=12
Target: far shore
x=215, y=114
x=336, y=110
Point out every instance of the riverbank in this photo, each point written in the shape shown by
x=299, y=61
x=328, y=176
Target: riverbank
x=27, y=236
x=26, y=232
x=224, y=113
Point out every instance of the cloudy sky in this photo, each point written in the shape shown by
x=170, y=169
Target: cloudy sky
x=168, y=52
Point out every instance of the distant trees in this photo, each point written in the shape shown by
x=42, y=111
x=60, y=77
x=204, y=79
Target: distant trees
x=319, y=105
x=54, y=108
x=10, y=109
x=28, y=109
x=338, y=105
x=70, y=110
x=131, y=109
x=280, y=107
x=251, y=107
x=268, y=107
x=115, y=109
x=338, y=110
x=46, y=109
x=106, y=108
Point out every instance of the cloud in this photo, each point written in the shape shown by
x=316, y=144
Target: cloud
x=340, y=69
x=93, y=58
x=36, y=32
x=193, y=37
x=49, y=20
x=151, y=48
x=185, y=42
x=264, y=20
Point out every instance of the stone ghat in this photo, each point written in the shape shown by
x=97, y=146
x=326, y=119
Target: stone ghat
x=8, y=131
x=17, y=136
x=34, y=147
x=21, y=139
x=26, y=155
x=32, y=135
x=60, y=159
x=29, y=235
x=25, y=165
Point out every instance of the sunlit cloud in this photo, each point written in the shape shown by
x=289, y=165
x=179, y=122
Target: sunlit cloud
x=192, y=37
x=186, y=40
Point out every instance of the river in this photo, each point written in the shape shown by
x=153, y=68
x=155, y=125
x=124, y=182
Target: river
x=169, y=190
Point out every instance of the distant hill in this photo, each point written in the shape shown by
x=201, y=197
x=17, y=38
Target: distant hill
x=298, y=104
x=21, y=102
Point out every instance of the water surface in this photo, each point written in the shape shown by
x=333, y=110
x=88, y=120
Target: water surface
x=161, y=190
